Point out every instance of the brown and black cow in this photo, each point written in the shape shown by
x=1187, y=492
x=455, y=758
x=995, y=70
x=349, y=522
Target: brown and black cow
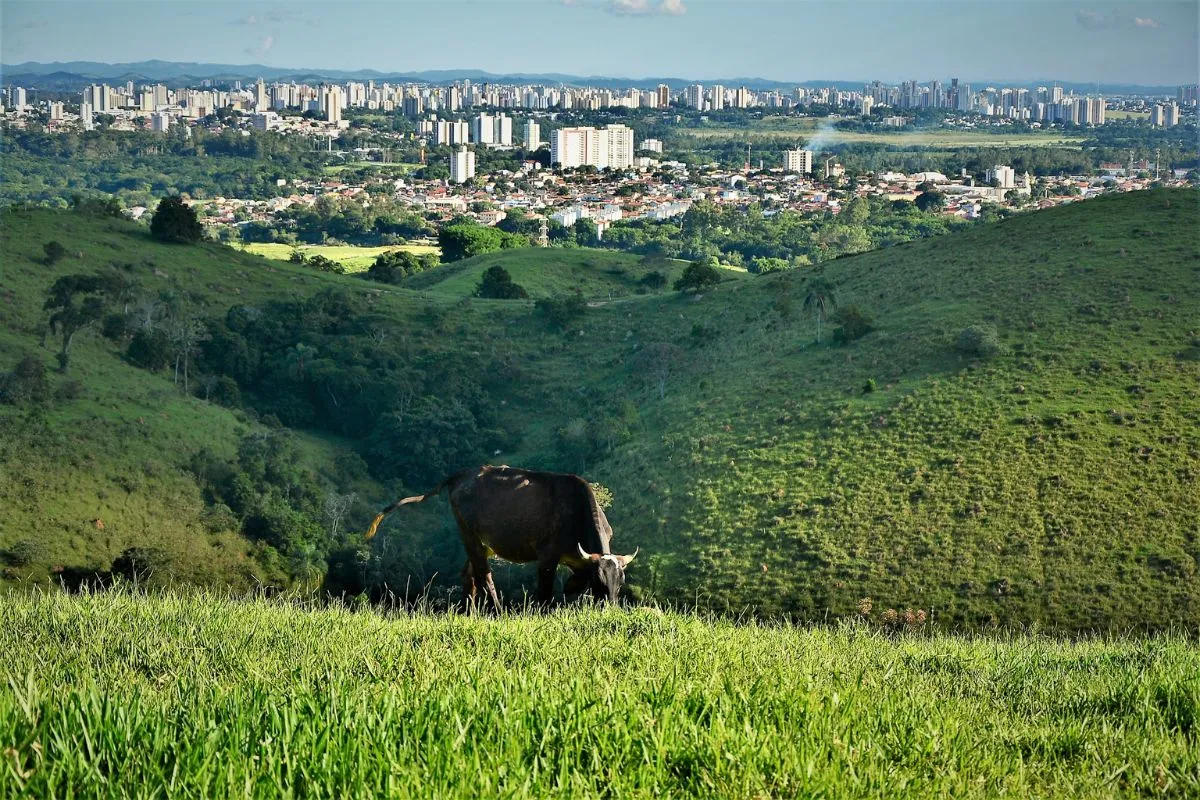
x=523, y=515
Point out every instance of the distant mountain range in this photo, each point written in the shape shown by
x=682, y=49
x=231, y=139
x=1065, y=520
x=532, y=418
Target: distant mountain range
x=62, y=75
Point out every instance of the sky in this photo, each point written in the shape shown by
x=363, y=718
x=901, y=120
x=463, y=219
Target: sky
x=1141, y=42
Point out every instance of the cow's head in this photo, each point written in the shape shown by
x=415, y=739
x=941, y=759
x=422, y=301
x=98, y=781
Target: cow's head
x=606, y=573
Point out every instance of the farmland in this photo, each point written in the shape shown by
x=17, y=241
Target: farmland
x=355, y=259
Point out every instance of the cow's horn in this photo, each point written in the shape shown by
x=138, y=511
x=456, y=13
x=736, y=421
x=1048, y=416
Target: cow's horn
x=627, y=560
x=586, y=554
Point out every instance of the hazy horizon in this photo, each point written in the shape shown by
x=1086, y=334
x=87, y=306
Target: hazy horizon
x=1149, y=43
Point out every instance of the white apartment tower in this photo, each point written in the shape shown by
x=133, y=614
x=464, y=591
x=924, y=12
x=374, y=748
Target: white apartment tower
x=462, y=165
x=611, y=146
x=533, y=135
x=798, y=161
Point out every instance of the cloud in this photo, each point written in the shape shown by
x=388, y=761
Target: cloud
x=1093, y=21
x=632, y=8
x=250, y=20
x=262, y=48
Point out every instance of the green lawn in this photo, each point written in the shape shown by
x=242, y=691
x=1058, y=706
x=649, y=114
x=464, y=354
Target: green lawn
x=390, y=168
x=547, y=272
x=201, y=696
x=800, y=128
x=356, y=259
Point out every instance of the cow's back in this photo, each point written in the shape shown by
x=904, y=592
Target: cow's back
x=513, y=512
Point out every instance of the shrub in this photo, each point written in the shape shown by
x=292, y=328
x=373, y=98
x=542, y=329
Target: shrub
x=175, y=221
x=149, y=349
x=323, y=264
x=24, y=552
x=68, y=390
x=115, y=327
x=980, y=341
x=653, y=280
x=852, y=324
x=54, y=252
x=26, y=383
x=226, y=392
x=698, y=276
x=497, y=284
x=562, y=311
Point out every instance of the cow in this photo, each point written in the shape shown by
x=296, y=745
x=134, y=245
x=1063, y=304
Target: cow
x=523, y=515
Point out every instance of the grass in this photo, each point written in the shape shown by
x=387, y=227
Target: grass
x=802, y=128
x=546, y=272
x=120, y=695
x=356, y=259
x=1052, y=484
x=379, y=166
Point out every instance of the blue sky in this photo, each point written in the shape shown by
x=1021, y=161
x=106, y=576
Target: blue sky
x=792, y=40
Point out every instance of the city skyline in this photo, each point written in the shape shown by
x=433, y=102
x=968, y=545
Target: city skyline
x=1152, y=43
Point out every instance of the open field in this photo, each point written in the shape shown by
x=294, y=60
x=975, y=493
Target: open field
x=397, y=168
x=1113, y=114
x=546, y=272
x=800, y=129
x=104, y=695
x=1050, y=481
x=356, y=259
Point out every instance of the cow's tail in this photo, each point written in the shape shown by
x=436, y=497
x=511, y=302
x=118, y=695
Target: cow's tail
x=417, y=498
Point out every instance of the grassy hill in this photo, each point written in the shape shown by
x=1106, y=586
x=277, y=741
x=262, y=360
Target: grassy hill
x=547, y=272
x=104, y=695
x=1054, y=481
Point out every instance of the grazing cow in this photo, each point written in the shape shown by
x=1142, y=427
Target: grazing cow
x=522, y=516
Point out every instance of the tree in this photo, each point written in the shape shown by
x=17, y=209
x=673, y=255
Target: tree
x=819, y=300
x=54, y=252
x=497, y=284
x=185, y=335
x=175, y=221
x=461, y=240
x=930, y=200
x=75, y=303
x=656, y=363
x=653, y=280
x=698, y=276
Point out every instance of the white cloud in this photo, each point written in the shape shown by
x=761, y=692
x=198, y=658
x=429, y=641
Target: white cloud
x=1094, y=21
x=632, y=8
x=262, y=48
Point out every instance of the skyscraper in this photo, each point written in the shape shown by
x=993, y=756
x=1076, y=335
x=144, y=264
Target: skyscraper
x=462, y=165
x=533, y=135
x=798, y=161
x=664, y=95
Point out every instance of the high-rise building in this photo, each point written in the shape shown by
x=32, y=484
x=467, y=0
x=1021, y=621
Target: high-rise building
x=865, y=104
x=1004, y=177
x=611, y=146
x=85, y=116
x=56, y=111
x=695, y=96
x=1187, y=95
x=483, y=129
x=798, y=161
x=451, y=132
x=653, y=145
x=533, y=135
x=160, y=122
x=332, y=100
x=413, y=106
x=664, y=95
x=716, y=97
x=742, y=98
x=261, y=101
x=462, y=165
x=17, y=98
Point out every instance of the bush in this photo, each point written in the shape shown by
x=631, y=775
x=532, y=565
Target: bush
x=115, y=327
x=175, y=222
x=24, y=552
x=852, y=324
x=26, y=383
x=980, y=341
x=149, y=349
x=653, y=281
x=323, y=264
x=54, y=252
x=562, y=311
x=497, y=284
x=226, y=392
x=68, y=390
x=698, y=276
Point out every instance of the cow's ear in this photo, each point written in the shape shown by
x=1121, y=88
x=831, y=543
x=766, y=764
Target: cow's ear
x=627, y=560
x=586, y=554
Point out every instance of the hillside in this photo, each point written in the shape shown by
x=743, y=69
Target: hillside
x=550, y=272
x=1052, y=482
x=206, y=696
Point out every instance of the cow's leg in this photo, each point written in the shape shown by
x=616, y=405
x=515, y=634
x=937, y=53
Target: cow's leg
x=489, y=588
x=576, y=583
x=545, y=587
x=468, y=579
